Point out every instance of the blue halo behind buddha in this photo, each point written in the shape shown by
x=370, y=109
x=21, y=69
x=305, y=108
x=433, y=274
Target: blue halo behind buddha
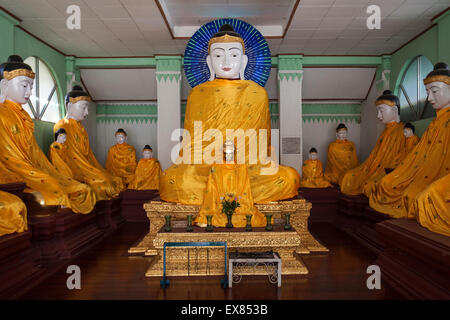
x=256, y=48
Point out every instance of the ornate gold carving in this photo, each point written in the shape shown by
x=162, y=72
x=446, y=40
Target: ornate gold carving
x=80, y=98
x=385, y=101
x=8, y=75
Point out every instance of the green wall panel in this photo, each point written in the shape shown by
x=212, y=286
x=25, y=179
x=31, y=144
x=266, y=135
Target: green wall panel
x=43, y=131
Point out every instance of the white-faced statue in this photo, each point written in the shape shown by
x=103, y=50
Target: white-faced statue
x=228, y=151
x=437, y=84
x=121, y=136
x=341, y=132
x=77, y=102
x=16, y=80
x=313, y=154
x=147, y=152
x=61, y=136
x=388, y=107
x=226, y=58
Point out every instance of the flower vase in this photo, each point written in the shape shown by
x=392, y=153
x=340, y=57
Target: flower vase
x=168, y=227
x=189, y=227
x=229, y=223
x=248, y=227
x=269, y=222
x=287, y=221
x=209, y=226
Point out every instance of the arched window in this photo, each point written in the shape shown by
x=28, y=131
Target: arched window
x=411, y=91
x=44, y=101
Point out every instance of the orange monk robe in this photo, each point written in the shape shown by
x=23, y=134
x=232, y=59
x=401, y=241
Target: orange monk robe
x=432, y=206
x=83, y=163
x=147, y=175
x=312, y=175
x=13, y=214
x=121, y=161
x=57, y=154
x=388, y=152
x=229, y=179
x=411, y=142
x=428, y=162
x=227, y=104
x=341, y=158
x=20, y=153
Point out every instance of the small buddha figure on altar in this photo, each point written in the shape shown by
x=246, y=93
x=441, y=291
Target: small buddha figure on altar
x=121, y=160
x=387, y=154
x=341, y=156
x=312, y=172
x=428, y=162
x=57, y=154
x=81, y=159
x=224, y=180
x=147, y=172
x=411, y=139
x=19, y=151
x=227, y=102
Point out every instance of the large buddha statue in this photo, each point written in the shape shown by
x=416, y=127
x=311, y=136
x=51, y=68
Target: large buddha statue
x=229, y=180
x=230, y=103
x=19, y=151
x=341, y=156
x=429, y=161
x=82, y=161
x=312, y=172
x=57, y=153
x=147, y=173
x=387, y=154
x=411, y=139
x=121, y=160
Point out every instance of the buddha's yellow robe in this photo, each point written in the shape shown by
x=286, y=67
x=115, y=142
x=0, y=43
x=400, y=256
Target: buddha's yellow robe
x=312, y=175
x=83, y=163
x=121, y=161
x=411, y=142
x=20, y=153
x=57, y=153
x=227, y=179
x=432, y=207
x=341, y=158
x=13, y=214
x=147, y=175
x=226, y=104
x=388, y=152
x=428, y=162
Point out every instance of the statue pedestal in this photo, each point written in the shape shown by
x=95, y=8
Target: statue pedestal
x=210, y=261
x=324, y=203
x=14, y=188
x=133, y=204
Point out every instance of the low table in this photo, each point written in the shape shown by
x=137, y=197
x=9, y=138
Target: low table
x=270, y=260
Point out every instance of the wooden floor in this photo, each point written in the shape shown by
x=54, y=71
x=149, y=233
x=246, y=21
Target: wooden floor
x=107, y=272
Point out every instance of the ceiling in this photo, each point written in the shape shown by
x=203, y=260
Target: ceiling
x=138, y=27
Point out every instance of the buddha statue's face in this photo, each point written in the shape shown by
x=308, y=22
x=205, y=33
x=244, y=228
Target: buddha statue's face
x=78, y=110
x=227, y=60
x=438, y=94
x=18, y=89
x=408, y=132
x=121, y=138
x=147, y=154
x=341, y=134
x=313, y=156
x=387, y=114
x=61, y=138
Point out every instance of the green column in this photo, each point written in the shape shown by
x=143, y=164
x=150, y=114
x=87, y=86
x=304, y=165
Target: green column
x=7, y=24
x=443, y=23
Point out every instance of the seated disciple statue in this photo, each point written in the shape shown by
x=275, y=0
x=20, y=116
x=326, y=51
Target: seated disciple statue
x=13, y=212
x=429, y=160
x=57, y=153
x=312, y=172
x=147, y=172
x=227, y=103
x=81, y=159
x=387, y=154
x=341, y=156
x=432, y=206
x=227, y=179
x=19, y=151
x=411, y=139
x=121, y=160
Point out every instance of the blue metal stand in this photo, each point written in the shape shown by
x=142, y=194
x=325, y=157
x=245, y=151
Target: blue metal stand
x=224, y=282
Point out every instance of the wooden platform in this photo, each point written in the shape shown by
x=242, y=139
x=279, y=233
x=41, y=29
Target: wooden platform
x=133, y=204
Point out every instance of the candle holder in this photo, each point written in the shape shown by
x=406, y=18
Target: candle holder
x=248, y=227
x=269, y=222
x=209, y=226
x=287, y=221
x=189, y=227
x=168, y=227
